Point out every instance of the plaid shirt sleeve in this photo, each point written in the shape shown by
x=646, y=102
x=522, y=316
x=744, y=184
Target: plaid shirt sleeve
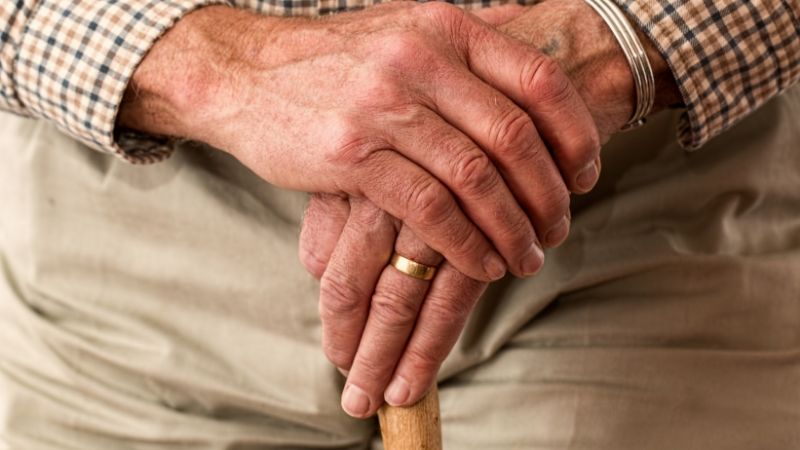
x=69, y=61
x=728, y=57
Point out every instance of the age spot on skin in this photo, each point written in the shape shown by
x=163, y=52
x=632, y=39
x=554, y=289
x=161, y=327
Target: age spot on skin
x=552, y=46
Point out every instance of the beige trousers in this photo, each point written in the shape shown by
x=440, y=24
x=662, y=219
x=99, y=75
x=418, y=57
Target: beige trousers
x=164, y=306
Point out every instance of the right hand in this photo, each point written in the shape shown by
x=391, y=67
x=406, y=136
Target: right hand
x=413, y=106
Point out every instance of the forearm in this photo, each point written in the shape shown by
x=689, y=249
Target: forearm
x=179, y=87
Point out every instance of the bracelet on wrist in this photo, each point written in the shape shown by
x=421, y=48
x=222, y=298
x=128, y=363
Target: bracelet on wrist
x=634, y=51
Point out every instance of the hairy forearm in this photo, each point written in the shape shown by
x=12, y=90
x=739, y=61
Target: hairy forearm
x=179, y=87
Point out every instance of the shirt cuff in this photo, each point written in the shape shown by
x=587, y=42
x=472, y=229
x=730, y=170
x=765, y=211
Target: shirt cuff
x=75, y=61
x=728, y=58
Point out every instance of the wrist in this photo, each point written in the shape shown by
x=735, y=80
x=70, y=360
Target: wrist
x=572, y=33
x=185, y=80
x=667, y=92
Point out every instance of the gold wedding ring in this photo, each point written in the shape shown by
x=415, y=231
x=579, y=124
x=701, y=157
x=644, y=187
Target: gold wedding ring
x=412, y=268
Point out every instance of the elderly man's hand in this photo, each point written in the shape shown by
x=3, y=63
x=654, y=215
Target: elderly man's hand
x=380, y=329
x=423, y=109
x=399, y=336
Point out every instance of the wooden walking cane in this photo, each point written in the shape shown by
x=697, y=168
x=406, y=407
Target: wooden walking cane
x=416, y=427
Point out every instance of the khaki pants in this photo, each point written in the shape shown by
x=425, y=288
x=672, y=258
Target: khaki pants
x=164, y=306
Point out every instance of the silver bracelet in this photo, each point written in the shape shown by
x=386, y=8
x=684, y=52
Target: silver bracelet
x=637, y=58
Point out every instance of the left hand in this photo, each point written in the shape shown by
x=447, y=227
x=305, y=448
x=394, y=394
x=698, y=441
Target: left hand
x=375, y=322
x=402, y=335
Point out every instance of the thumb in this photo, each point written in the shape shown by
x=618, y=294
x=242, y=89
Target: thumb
x=499, y=15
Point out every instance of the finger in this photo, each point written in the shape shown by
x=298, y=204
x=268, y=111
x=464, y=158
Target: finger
x=483, y=194
x=450, y=299
x=346, y=288
x=409, y=193
x=323, y=222
x=512, y=142
x=393, y=311
x=539, y=85
x=498, y=15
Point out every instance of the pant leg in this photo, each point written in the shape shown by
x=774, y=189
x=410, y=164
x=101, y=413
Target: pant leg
x=155, y=307
x=670, y=319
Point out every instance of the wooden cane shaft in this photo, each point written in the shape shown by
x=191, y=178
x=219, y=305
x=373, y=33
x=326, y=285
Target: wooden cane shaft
x=417, y=427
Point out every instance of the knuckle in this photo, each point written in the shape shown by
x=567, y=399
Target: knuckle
x=412, y=247
x=585, y=149
x=458, y=27
x=326, y=204
x=368, y=218
x=381, y=89
x=372, y=371
x=408, y=114
x=352, y=143
x=336, y=354
x=424, y=362
x=393, y=310
x=402, y=49
x=543, y=79
x=450, y=310
x=578, y=149
x=312, y=262
x=442, y=11
x=428, y=201
x=554, y=204
x=465, y=244
x=474, y=173
x=512, y=134
x=589, y=146
x=339, y=296
x=452, y=20
x=518, y=232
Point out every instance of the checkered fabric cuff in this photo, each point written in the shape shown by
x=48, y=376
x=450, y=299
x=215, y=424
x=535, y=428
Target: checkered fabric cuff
x=728, y=57
x=74, y=61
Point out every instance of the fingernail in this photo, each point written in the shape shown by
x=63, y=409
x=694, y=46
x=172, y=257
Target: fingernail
x=398, y=391
x=354, y=401
x=557, y=234
x=494, y=266
x=587, y=177
x=533, y=260
x=343, y=371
